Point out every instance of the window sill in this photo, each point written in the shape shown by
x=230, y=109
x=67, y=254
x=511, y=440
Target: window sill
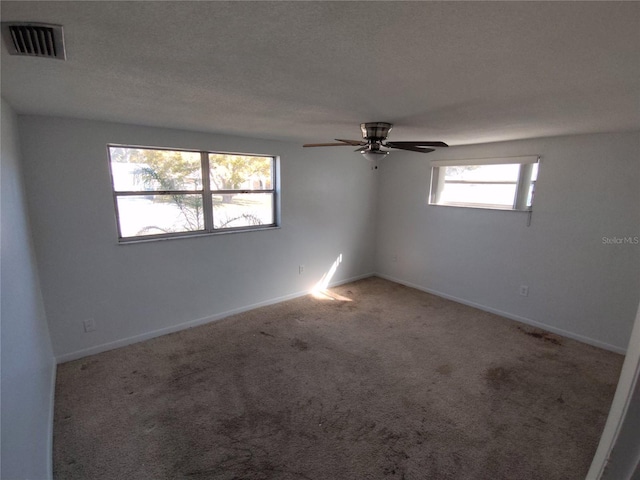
x=481, y=207
x=182, y=236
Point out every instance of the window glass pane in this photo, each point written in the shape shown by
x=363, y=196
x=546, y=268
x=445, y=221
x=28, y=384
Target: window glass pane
x=506, y=186
x=488, y=186
x=242, y=210
x=140, y=169
x=159, y=214
x=479, y=194
x=483, y=173
x=240, y=172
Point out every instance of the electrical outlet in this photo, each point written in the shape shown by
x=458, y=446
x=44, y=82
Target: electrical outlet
x=89, y=325
x=300, y=269
x=524, y=290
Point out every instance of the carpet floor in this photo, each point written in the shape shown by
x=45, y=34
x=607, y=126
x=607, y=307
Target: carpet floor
x=373, y=381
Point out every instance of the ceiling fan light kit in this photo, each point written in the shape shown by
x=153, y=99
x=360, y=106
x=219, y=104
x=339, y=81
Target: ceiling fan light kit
x=373, y=155
x=374, y=139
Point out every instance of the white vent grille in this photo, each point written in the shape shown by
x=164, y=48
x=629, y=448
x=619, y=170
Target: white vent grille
x=34, y=39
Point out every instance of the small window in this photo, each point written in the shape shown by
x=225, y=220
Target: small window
x=497, y=183
x=168, y=193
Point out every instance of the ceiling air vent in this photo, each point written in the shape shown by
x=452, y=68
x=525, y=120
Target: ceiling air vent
x=34, y=39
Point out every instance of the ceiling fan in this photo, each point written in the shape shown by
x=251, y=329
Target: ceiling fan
x=374, y=139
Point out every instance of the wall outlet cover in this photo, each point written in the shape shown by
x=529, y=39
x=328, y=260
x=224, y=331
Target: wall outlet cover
x=89, y=325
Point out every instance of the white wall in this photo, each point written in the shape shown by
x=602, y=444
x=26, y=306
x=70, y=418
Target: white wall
x=331, y=204
x=328, y=209
x=28, y=365
x=588, y=188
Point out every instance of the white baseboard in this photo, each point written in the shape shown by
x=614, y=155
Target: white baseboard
x=202, y=321
x=517, y=318
x=67, y=357
x=52, y=397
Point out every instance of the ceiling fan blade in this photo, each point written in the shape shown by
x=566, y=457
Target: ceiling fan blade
x=355, y=143
x=419, y=144
x=343, y=143
x=411, y=148
x=361, y=149
x=327, y=145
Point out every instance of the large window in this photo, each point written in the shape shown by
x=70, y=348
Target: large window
x=496, y=183
x=167, y=193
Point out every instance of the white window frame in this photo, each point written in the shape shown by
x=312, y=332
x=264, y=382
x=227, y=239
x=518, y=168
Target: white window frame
x=206, y=192
x=523, y=182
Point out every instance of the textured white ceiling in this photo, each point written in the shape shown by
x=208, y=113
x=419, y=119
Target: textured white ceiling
x=462, y=72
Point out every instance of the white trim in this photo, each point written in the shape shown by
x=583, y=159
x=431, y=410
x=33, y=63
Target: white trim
x=197, y=234
x=523, y=160
x=67, y=357
x=629, y=376
x=517, y=318
x=52, y=398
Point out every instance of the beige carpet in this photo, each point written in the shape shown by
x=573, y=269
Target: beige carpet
x=382, y=382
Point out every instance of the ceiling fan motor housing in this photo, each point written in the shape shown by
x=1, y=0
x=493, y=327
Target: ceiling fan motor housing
x=375, y=131
x=374, y=142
